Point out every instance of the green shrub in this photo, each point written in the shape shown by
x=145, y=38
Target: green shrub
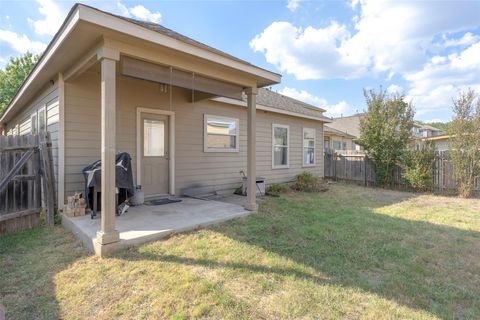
x=275, y=189
x=239, y=191
x=308, y=182
x=418, y=168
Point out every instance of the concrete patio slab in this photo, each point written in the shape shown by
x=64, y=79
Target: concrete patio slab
x=148, y=223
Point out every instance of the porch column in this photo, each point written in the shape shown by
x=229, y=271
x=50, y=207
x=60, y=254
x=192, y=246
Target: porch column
x=108, y=236
x=251, y=149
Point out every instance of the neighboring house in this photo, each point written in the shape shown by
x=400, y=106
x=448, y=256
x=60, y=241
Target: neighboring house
x=349, y=126
x=440, y=142
x=338, y=140
x=188, y=114
x=424, y=132
x=421, y=130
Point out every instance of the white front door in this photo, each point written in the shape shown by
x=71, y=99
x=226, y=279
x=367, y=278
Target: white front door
x=155, y=153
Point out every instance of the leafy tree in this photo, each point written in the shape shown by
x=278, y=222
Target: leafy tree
x=12, y=77
x=385, y=131
x=464, y=141
x=418, y=167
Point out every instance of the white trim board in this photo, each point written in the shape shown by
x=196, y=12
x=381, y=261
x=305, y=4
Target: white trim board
x=171, y=143
x=61, y=142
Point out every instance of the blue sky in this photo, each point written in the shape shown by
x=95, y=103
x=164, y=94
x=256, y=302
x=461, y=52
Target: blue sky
x=327, y=51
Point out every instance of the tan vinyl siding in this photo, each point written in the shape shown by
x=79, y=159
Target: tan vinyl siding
x=193, y=166
x=82, y=129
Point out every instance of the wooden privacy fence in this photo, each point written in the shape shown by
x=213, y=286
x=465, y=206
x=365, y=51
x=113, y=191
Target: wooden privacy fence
x=26, y=169
x=359, y=169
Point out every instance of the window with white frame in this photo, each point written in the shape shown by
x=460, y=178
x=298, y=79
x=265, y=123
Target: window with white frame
x=221, y=134
x=34, y=124
x=280, y=145
x=308, y=146
x=42, y=119
x=337, y=145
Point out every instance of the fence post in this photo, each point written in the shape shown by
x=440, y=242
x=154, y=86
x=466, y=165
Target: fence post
x=365, y=169
x=48, y=177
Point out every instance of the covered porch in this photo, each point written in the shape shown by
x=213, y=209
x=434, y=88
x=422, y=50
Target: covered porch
x=148, y=223
x=156, y=57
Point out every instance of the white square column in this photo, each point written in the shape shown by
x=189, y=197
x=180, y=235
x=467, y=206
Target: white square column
x=107, y=237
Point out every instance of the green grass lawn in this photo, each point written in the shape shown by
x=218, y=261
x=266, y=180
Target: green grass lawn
x=347, y=253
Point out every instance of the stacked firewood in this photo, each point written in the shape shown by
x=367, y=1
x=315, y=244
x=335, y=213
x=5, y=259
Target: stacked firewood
x=76, y=205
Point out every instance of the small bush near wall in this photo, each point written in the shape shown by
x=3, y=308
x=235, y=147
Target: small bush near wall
x=418, y=168
x=275, y=189
x=308, y=182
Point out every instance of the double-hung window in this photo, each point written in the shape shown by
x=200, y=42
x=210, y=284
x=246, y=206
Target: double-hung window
x=221, y=134
x=42, y=119
x=337, y=145
x=308, y=147
x=34, y=123
x=38, y=121
x=280, y=146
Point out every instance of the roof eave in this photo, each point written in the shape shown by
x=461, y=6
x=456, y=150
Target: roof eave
x=68, y=24
x=80, y=12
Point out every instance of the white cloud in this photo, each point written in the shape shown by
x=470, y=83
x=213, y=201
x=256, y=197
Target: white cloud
x=394, y=88
x=304, y=96
x=334, y=110
x=53, y=16
x=467, y=39
x=433, y=87
x=393, y=37
x=21, y=43
x=140, y=12
x=307, y=54
x=340, y=109
x=435, y=120
x=293, y=5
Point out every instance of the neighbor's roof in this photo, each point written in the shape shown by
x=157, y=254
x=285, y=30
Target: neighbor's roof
x=332, y=131
x=349, y=124
x=426, y=126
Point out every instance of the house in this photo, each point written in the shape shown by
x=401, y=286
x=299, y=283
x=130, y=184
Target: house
x=336, y=140
x=351, y=125
x=421, y=130
x=350, y=128
x=439, y=142
x=189, y=115
x=421, y=133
